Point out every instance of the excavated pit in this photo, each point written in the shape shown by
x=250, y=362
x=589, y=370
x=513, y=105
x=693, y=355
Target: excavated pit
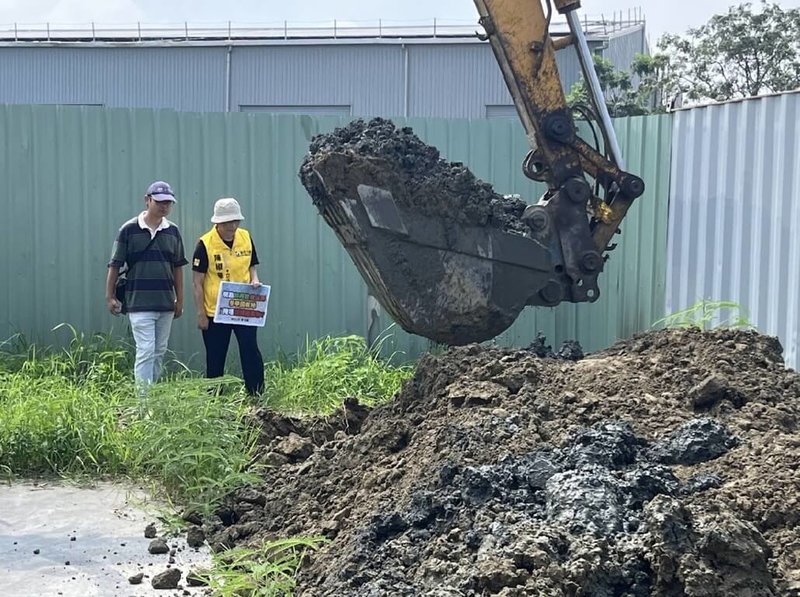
x=665, y=465
x=445, y=255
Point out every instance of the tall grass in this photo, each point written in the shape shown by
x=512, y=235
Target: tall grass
x=73, y=412
x=56, y=407
x=196, y=441
x=51, y=425
x=328, y=370
x=94, y=358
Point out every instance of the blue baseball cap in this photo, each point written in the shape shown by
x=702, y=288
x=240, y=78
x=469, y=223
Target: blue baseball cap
x=161, y=191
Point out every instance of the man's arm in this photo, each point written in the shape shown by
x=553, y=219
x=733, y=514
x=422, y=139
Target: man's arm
x=177, y=264
x=119, y=255
x=114, y=306
x=199, y=299
x=178, y=273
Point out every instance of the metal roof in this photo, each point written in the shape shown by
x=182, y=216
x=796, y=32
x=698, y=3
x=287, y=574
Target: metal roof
x=596, y=29
x=734, y=100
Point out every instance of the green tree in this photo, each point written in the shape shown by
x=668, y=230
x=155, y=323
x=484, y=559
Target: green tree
x=738, y=54
x=658, y=81
x=627, y=93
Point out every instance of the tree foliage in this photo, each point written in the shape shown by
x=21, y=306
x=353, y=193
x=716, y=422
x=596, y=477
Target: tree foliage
x=627, y=93
x=737, y=54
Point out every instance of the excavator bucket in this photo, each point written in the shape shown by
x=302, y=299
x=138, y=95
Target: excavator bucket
x=447, y=257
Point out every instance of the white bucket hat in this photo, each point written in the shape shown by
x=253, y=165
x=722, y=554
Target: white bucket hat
x=226, y=210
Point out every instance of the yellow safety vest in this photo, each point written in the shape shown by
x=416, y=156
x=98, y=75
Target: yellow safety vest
x=225, y=264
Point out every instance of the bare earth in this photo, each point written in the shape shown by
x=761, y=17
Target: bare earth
x=666, y=465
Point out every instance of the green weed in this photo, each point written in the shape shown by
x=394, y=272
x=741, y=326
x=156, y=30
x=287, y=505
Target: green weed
x=706, y=315
x=73, y=412
x=194, y=440
x=58, y=409
x=318, y=379
x=266, y=571
x=95, y=358
x=50, y=425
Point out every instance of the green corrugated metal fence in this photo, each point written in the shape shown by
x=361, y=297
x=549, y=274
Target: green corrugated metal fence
x=72, y=175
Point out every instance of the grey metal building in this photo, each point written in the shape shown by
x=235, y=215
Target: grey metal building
x=415, y=71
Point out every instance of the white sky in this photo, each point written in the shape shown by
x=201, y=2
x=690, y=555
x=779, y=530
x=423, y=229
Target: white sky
x=673, y=16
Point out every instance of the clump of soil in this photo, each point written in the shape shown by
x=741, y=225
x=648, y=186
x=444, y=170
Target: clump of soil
x=423, y=180
x=499, y=472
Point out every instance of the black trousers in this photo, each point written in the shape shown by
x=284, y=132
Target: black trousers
x=217, y=338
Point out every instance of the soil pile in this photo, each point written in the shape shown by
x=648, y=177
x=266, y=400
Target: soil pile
x=397, y=159
x=665, y=465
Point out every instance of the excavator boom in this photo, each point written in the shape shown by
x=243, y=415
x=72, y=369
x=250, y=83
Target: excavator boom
x=463, y=273
x=518, y=33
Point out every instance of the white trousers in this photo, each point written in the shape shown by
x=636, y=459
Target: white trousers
x=150, y=333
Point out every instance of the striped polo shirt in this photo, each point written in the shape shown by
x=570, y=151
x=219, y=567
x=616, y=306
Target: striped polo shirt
x=151, y=282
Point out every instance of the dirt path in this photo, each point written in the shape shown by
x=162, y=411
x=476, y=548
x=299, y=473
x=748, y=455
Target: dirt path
x=67, y=541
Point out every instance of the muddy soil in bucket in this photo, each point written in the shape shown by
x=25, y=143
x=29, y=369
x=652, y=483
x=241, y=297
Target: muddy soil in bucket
x=446, y=256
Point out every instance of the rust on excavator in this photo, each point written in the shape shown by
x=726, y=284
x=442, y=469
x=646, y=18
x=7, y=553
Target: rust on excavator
x=563, y=42
x=564, y=6
x=519, y=37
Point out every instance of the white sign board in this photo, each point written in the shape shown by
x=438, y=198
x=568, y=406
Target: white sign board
x=242, y=304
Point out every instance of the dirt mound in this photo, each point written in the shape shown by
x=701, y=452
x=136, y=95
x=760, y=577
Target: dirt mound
x=430, y=184
x=665, y=465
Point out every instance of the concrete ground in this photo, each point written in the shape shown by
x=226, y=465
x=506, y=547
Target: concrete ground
x=58, y=539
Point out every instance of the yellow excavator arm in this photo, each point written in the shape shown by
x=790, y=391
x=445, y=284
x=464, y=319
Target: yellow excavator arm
x=518, y=31
x=464, y=274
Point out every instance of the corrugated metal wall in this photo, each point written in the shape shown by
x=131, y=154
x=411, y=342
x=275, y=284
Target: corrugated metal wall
x=735, y=205
x=190, y=78
x=70, y=176
x=369, y=79
x=461, y=80
x=455, y=79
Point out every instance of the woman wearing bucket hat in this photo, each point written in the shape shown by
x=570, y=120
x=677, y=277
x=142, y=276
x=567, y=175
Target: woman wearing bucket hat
x=231, y=251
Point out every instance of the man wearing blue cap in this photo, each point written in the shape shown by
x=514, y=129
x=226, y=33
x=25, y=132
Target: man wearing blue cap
x=151, y=248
